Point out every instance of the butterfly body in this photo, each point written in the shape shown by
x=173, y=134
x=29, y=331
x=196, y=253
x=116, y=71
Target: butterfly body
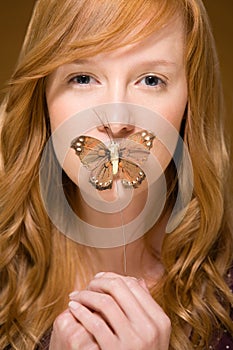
x=121, y=159
x=114, y=157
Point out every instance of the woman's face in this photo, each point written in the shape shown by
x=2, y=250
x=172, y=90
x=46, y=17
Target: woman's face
x=150, y=73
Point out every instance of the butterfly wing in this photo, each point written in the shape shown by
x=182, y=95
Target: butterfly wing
x=90, y=151
x=136, y=148
x=133, y=152
x=102, y=176
x=130, y=173
x=143, y=138
x=96, y=157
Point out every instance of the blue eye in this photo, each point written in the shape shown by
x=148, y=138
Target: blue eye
x=152, y=80
x=81, y=79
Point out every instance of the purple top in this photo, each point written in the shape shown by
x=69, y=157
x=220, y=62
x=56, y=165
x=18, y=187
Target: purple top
x=224, y=343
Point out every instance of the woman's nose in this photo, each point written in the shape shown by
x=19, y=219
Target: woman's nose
x=118, y=119
x=117, y=130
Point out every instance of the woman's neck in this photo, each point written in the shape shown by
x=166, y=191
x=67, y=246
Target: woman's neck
x=139, y=258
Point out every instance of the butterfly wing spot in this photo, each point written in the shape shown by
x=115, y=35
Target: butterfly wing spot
x=77, y=144
x=131, y=174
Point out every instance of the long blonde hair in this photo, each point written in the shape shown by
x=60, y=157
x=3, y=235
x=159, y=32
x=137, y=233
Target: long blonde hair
x=38, y=264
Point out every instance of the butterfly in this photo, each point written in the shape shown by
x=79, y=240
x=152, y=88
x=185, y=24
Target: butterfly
x=119, y=159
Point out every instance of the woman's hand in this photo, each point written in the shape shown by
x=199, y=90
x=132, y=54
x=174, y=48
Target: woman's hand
x=115, y=312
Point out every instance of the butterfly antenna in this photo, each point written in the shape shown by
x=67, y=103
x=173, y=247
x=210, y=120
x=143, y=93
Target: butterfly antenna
x=110, y=130
x=106, y=126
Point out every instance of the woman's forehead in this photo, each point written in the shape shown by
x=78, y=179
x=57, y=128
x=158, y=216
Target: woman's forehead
x=124, y=31
x=166, y=44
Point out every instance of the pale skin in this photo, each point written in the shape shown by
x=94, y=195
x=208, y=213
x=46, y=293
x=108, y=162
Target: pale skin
x=115, y=311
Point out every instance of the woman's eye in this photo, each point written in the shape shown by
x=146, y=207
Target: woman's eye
x=152, y=80
x=81, y=79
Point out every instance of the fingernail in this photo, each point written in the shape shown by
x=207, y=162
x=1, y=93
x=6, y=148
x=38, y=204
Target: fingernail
x=73, y=305
x=142, y=282
x=73, y=294
x=99, y=274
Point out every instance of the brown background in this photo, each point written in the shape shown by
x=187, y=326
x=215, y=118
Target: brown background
x=14, y=17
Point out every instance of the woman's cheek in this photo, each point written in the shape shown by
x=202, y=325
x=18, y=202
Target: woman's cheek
x=72, y=166
x=161, y=154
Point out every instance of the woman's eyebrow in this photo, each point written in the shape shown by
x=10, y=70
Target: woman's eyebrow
x=154, y=63
x=82, y=61
x=160, y=62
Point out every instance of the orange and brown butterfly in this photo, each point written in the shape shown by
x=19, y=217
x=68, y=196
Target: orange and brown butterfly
x=119, y=159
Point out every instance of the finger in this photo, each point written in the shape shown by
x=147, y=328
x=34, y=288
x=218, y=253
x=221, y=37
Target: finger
x=94, y=324
x=105, y=306
x=141, y=281
x=117, y=287
x=150, y=306
x=69, y=334
x=139, y=290
x=64, y=324
x=81, y=339
x=135, y=301
x=153, y=319
x=143, y=284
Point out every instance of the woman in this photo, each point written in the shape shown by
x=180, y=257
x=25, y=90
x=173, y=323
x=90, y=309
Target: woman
x=176, y=293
